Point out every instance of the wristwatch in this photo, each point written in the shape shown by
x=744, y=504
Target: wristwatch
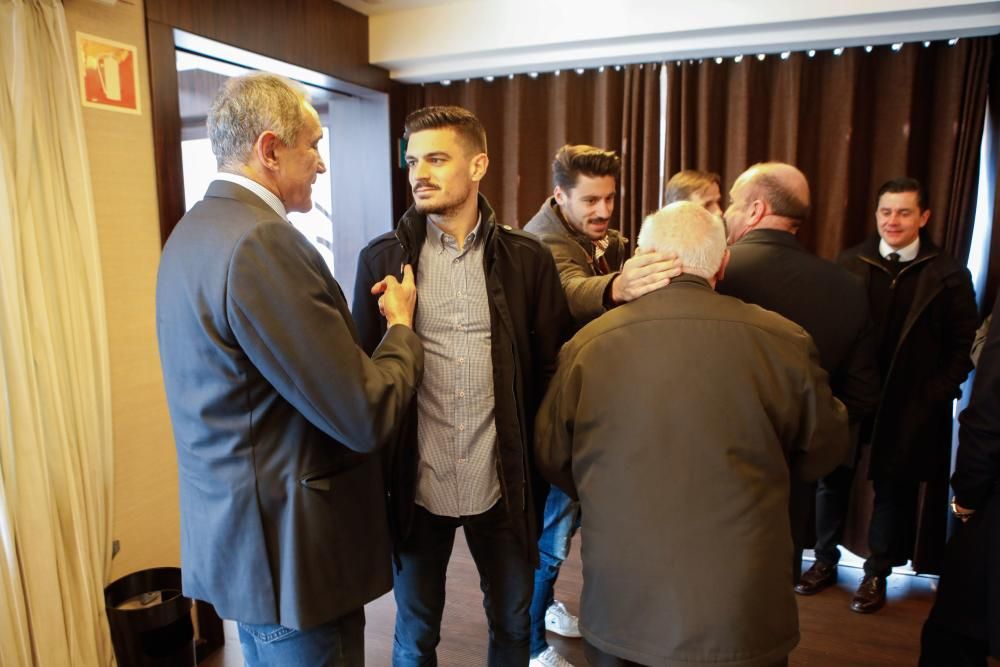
x=962, y=514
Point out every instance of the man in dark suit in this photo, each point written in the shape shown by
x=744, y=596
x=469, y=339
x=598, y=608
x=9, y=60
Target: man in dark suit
x=275, y=408
x=924, y=310
x=769, y=267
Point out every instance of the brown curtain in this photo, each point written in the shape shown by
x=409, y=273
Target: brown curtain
x=528, y=118
x=640, y=148
x=850, y=122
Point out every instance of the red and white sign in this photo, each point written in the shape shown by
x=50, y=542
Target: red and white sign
x=109, y=74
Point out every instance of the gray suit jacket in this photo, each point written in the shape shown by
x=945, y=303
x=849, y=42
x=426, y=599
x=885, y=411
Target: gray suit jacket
x=276, y=412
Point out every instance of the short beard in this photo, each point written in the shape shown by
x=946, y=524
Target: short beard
x=444, y=209
x=435, y=209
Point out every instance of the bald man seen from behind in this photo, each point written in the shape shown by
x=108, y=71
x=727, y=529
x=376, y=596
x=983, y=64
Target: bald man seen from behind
x=769, y=204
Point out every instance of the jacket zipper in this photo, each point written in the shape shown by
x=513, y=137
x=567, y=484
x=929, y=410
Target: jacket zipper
x=892, y=286
x=895, y=279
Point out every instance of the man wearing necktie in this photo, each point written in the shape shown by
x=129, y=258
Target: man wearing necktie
x=924, y=310
x=596, y=275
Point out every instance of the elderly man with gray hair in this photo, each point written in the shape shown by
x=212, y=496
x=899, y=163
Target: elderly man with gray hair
x=686, y=459
x=277, y=412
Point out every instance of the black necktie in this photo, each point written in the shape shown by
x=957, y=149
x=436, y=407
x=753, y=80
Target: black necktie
x=893, y=257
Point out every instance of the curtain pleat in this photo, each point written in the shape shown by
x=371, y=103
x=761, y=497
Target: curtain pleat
x=640, y=148
x=55, y=429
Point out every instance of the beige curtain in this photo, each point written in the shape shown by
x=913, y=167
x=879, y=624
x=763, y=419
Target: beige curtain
x=55, y=416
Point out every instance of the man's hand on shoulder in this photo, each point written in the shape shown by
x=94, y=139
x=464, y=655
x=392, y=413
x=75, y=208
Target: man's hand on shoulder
x=643, y=273
x=399, y=299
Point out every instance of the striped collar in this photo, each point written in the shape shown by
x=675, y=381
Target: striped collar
x=253, y=186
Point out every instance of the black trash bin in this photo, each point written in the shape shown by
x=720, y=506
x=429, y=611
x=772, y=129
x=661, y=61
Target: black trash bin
x=150, y=620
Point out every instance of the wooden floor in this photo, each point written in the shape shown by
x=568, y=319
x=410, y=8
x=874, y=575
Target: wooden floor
x=832, y=635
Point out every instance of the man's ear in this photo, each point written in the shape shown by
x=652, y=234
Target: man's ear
x=925, y=216
x=560, y=195
x=266, y=150
x=758, y=209
x=721, y=273
x=479, y=165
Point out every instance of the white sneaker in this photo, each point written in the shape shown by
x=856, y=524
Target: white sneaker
x=549, y=658
x=560, y=621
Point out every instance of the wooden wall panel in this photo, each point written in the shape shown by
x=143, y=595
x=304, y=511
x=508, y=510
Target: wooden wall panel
x=320, y=35
x=167, y=126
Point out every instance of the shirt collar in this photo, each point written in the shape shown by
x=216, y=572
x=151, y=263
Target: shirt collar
x=436, y=237
x=906, y=254
x=253, y=186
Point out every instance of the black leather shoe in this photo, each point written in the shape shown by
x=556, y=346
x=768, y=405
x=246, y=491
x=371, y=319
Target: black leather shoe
x=870, y=595
x=816, y=578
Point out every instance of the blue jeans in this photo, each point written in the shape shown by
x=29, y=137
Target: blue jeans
x=504, y=577
x=559, y=524
x=340, y=643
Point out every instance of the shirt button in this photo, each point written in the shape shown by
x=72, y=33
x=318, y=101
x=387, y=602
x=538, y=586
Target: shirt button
x=461, y=427
x=461, y=360
x=457, y=260
x=461, y=394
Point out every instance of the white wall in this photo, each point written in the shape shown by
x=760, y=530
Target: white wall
x=484, y=37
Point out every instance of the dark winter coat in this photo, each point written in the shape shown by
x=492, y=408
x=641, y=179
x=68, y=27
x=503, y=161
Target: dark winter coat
x=530, y=321
x=968, y=601
x=910, y=433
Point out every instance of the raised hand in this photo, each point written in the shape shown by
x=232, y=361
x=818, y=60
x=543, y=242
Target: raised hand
x=644, y=272
x=399, y=299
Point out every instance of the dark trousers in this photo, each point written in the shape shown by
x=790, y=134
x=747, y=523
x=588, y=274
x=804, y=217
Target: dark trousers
x=801, y=502
x=505, y=577
x=889, y=538
x=957, y=630
x=340, y=643
x=943, y=647
x=833, y=494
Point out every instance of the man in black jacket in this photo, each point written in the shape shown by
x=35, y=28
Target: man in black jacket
x=492, y=315
x=768, y=267
x=964, y=624
x=924, y=310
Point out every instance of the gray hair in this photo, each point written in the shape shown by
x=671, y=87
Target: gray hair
x=697, y=236
x=249, y=105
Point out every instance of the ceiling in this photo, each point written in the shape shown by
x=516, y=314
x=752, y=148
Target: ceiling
x=435, y=40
